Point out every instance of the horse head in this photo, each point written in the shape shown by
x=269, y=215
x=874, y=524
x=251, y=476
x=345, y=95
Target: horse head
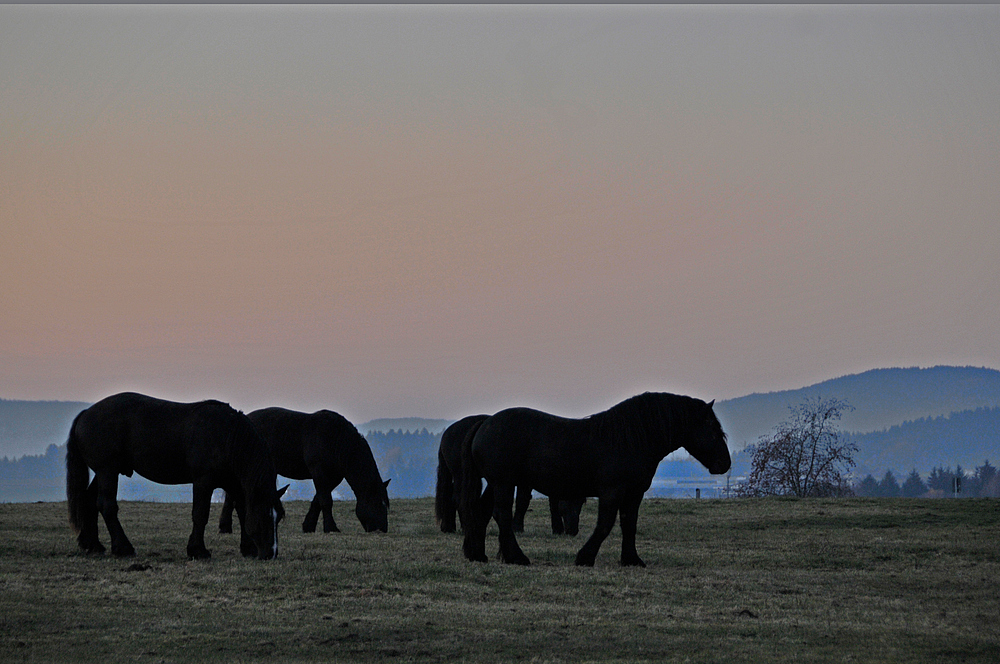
x=264, y=513
x=707, y=440
x=373, y=507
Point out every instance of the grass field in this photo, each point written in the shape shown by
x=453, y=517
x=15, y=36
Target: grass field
x=851, y=580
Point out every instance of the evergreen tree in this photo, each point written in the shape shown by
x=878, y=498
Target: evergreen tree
x=988, y=481
x=867, y=488
x=889, y=487
x=940, y=480
x=914, y=487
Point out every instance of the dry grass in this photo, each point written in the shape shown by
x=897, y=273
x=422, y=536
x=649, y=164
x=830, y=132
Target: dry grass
x=805, y=580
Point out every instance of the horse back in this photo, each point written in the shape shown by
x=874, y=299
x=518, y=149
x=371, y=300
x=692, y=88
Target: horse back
x=306, y=444
x=552, y=454
x=450, y=450
x=285, y=432
x=161, y=440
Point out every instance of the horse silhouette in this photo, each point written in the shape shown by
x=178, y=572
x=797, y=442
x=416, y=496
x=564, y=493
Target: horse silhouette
x=206, y=444
x=611, y=455
x=326, y=448
x=565, y=514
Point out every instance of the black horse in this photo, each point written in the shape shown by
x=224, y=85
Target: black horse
x=325, y=447
x=565, y=514
x=206, y=444
x=611, y=455
x=449, y=471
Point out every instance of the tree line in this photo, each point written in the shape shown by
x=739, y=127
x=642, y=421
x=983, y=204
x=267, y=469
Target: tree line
x=984, y=482
x=806, y=455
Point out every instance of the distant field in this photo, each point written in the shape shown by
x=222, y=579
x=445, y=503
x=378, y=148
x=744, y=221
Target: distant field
x=853, y=580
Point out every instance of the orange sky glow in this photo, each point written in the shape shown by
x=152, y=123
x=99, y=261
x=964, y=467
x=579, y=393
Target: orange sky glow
x=433, y=211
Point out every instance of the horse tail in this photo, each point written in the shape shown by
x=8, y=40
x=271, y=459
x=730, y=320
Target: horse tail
x=444, y=492
x=471, y=501
x=77, y=479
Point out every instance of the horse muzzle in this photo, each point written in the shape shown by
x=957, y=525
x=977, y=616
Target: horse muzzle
x=720, y=468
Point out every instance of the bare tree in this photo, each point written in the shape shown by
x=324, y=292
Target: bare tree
x=805, y=455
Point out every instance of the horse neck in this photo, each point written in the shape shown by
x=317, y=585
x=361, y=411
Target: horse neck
x=648, y=431
x=362, y=473
x=252, y=463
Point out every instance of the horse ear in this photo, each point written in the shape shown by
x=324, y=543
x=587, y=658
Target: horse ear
x=711, y=403
x=282, y=491
x=386, y=483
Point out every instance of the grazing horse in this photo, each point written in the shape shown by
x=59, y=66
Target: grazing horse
x=611, y=455
x=326, y=448
x=206, y=444
x=565, y=514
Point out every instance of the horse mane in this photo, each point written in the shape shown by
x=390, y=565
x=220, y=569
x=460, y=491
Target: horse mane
x=361, y=465
x=653, y=421
x=251, y=456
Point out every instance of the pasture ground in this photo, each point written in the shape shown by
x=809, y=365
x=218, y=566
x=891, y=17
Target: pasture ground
x=846, y=580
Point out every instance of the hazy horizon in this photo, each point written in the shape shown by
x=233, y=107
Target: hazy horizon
x=429, y=211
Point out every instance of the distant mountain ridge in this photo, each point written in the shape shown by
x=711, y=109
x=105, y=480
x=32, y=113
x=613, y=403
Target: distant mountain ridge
x=881, y=398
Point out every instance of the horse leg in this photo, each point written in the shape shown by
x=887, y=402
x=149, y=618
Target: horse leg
x=570, y=511
x=323, y=502
x=88, y=538
x=247, y=546
x=630, y=516
x=329, y=525
x=107, y=504
x=226, y=517
x=312, y=516
x=201, y=504
x=521, y=508
x=510, y=552
x=556, y=514
x=454, y=521
x=607, y=512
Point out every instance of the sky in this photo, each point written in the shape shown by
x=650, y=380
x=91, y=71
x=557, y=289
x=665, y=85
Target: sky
x=432, y=211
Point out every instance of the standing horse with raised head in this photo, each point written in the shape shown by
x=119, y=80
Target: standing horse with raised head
x=326, y=448
x=611, y=455
x=206, y=444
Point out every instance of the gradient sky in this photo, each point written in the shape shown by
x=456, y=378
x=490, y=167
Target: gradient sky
x=433, y=211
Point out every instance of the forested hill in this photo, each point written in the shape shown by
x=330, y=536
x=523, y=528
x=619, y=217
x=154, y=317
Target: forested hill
x=882, y=398
x=965, y=439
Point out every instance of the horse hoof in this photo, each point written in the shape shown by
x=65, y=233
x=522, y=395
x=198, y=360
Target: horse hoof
x=226, y=531
x=584, y=562
x=196, y=554
x=633, y=562
x=92, y=548
x=123, y=552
